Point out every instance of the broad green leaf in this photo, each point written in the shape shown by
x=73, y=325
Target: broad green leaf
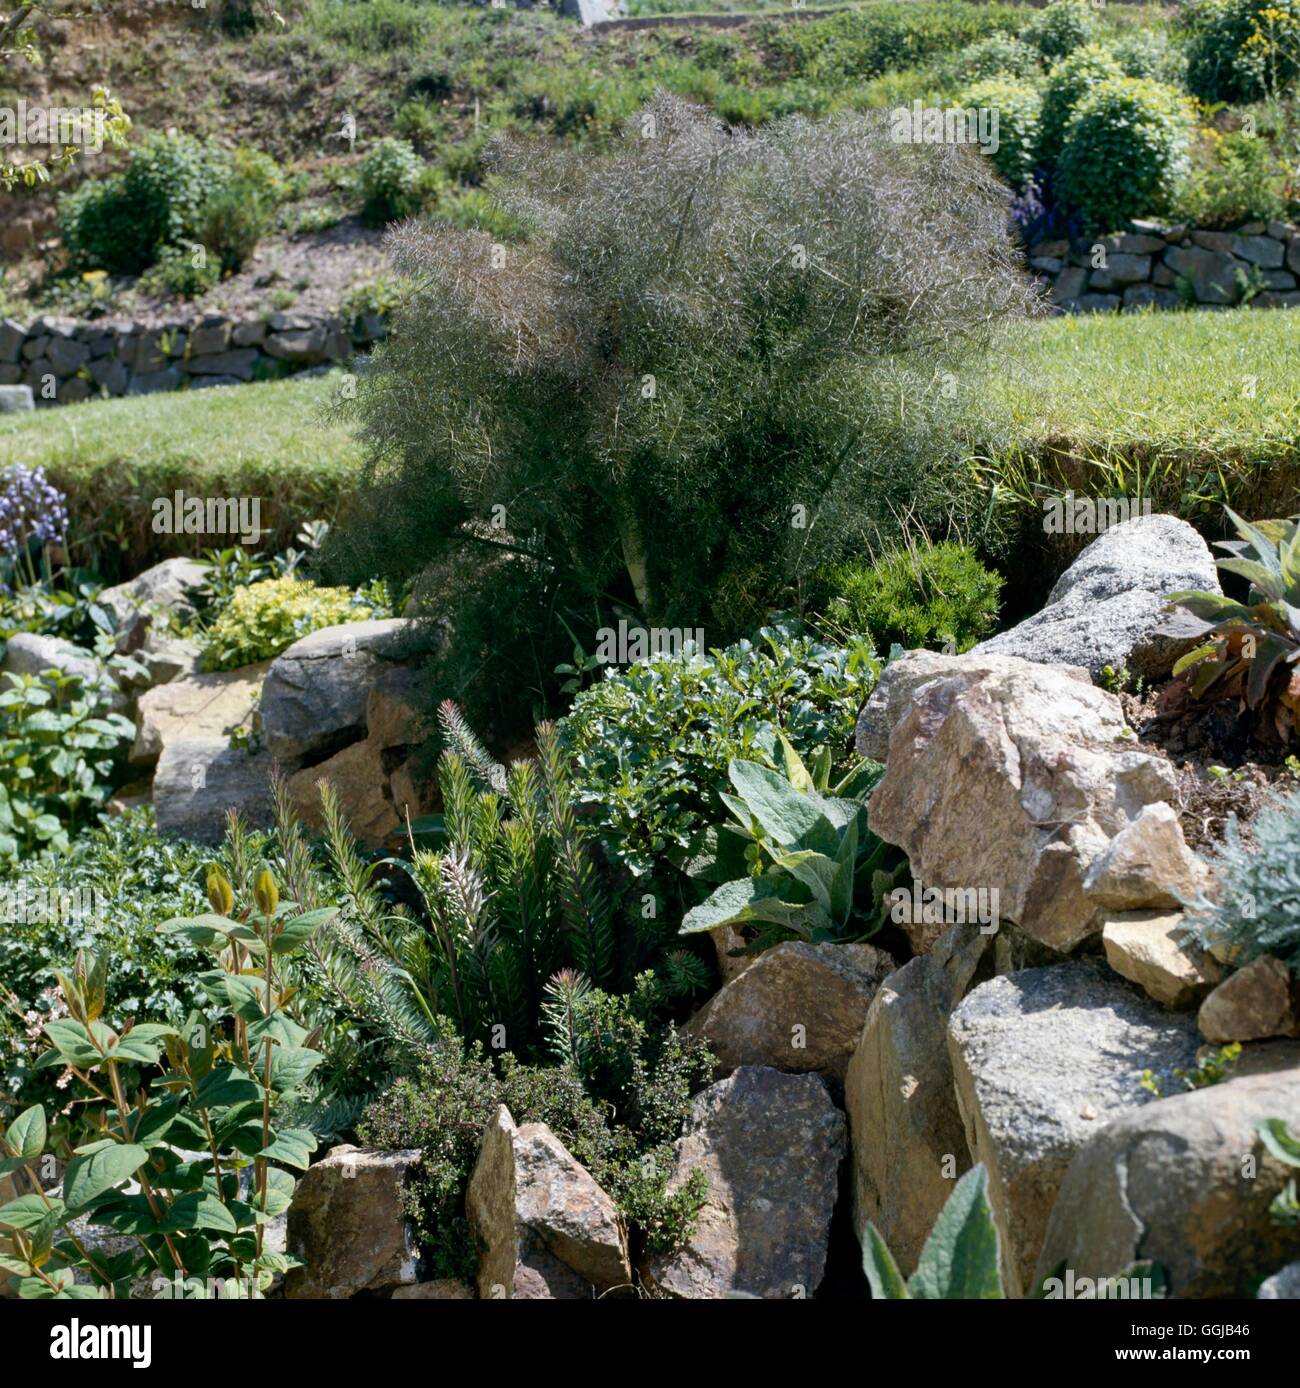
x=28, y=1211
x=278, y=1027
x=301, y=928
x=72, y=1042
x=226, y=1085
x=749, y=898
x=292, y=1146
x=290, y=1065
x=26, y=1134
x=1279, y=1140
x=788, y=817
x=960, y=1258
x=882, y=1271
x=88, y=1177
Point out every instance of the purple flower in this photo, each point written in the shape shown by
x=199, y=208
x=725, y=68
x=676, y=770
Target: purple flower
x=32, y=510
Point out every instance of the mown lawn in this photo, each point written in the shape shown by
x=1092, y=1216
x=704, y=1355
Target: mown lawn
x=1191, y=408
x=113, y=457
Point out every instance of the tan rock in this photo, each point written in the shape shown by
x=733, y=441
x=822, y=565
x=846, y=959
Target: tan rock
x=197, y=708
x=1147, y=866
x=348, y=1225
x=1014, y=778
x=545, y=1228
x=725, y=939
x=445, y=1289
x=905, y=1129
x=412, y=794
x=797, y=1007
x=1256, y=1002
x=357, y=775
x=1153, y=950
x=393, y=718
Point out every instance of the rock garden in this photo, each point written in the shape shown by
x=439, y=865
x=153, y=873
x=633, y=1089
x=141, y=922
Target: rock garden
x=720, y=796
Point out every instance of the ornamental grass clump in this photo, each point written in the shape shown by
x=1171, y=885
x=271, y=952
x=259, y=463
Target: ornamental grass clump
x=723, y=359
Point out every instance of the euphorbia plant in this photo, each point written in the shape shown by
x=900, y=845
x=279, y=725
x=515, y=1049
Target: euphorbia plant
x=189, y=1162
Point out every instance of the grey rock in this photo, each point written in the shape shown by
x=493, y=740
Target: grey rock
x=306, y=345
x=1168, y=1182
x=209, y=338
x=1259, y=250
x=1070, y=283
x=109, y=374
x=1096, y=303
x=199, y=780
x=1218, y=241
x=1108, y=606
x=237, y=363
x=147, y=600
x=67, y=355
x=74, y=391
x=35, y=346
x=905, y=1128
x=212, y=382
x=12, y=337
x=1213, y=274
x=152, y=382
x=769, y=1145
x=1138, y=296
x=15, y=399
x=1284, y=1285
x=29, y=654
x=1042, y=1059
x=1120, y=269
x=251, y=334
x=587, y=12
x=315, y=695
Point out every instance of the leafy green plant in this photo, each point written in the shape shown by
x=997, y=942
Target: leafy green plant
x=1253, y=649
x=58, y=742
x=1256, y=912
x=1149, y=53
x=749, y=416
x=1061, y=27
x=651, y=743
x=997, y=55
x=180, y=273
x=388, y=181
x=1242, y=50
x=189, y=1218
x=799, y=861
x=267, y=617
x=1285, y=1146
x=919, y=595
x=1067, y=84
x=1124, y=150
x=1235, y=178
x=1210, y=1069
x=959, y=1260
x=1018, y=105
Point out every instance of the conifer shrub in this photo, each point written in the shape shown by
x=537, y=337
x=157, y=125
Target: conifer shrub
x=716, y=365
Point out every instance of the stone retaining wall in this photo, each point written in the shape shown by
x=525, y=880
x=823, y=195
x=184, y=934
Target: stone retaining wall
x=63, y=361
x=1162, y=266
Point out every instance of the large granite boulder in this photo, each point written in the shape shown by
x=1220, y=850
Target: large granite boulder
x=909, y=1145
x=26, y=653
x=197, y=708
x=1284, y=1285
x=1259, y=1001
x=198, y=781
x=1108, y=606
x=1185, y=1182
x=1041, y=1060
x=770, y=1146
x=315, y=696
x=348, y=1225
x=796, y=1007
x=545, y=1228
x=146, y=601
x=1013, y=779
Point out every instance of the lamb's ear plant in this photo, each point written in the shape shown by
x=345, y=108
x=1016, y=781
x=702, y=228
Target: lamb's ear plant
x=797, y=861
x=1252, y=649
x=188, y=1160
x=959, y=1260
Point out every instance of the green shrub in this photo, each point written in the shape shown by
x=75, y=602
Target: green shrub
x=1149, y=53
x=924, y=595
x=998, y=55
x=1067, y=83
x=119, y=224
x=266, y=618
x=740, y=419
x=223, y=1093
x=181, y=273
x=1235, y=178
x=234, y=220
x=389, y=181
x=1242, y=50
x=1018, y=106
x=651, y=744
x=58, y=744
x=1256, y=911
x=443, y=1107
x=1125, y=150
x=1061, y=27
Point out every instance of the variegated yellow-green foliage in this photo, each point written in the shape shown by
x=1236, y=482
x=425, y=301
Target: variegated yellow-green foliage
x=266, y=618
